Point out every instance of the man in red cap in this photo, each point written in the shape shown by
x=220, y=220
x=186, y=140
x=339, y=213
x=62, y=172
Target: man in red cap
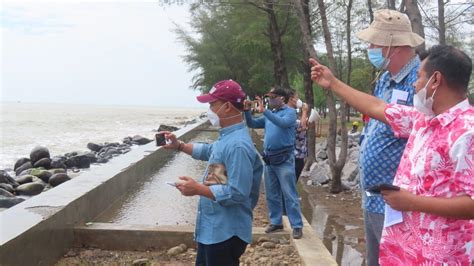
x=229, y=189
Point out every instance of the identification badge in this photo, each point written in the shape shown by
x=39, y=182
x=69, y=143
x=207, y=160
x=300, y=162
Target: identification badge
x=399, y=97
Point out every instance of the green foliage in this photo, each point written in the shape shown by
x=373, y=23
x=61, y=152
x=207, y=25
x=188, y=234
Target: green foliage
x=231, y=43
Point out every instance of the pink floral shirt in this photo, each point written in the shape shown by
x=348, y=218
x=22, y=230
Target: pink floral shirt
x=438, y=161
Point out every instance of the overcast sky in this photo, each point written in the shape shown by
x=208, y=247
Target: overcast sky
x=93, y=52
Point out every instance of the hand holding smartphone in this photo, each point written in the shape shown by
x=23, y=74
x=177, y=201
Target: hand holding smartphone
x=378, y=188
x=160, y=139
x=173, y=184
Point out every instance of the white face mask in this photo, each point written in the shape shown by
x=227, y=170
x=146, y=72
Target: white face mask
x=299, y=104
x=214, y=118
x=422, y=104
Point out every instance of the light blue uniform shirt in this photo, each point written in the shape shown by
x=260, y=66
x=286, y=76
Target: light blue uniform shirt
x=280, y=127
x=231, y=213
x=381, y=151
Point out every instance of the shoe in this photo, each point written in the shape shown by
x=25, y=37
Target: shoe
x=297, y=233
x=273, y=228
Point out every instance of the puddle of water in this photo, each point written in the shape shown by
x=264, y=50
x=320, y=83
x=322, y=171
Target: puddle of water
x=153, y=202
x=340, y=238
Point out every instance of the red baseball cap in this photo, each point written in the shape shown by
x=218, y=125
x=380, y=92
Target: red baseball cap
x=225, y=90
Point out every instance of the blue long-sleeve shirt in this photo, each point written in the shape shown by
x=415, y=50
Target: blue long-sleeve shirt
x=280, y=127
x=231, y=212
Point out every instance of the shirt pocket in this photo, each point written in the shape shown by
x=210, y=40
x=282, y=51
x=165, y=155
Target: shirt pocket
x=207, y=206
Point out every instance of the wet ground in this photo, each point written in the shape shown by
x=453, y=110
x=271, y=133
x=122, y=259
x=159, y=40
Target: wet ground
x=338, y=221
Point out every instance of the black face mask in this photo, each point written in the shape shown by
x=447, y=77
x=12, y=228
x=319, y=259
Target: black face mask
x=275, y=103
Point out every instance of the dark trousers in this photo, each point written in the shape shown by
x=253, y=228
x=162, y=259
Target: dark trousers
x=299, y=164
x=224, y=253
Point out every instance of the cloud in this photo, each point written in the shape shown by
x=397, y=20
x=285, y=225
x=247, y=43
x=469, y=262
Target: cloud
x=94, y=52
x=30, y=21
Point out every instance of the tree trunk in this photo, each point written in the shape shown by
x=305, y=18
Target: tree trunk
x=371, y=12
x=413, y=12
x=391, y=4
x=335, y=165
x=441, y=23
x=308, y=86
x=279, y=65
x=349, y=53
x=349, y=42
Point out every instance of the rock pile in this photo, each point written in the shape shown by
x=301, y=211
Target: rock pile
x=320, y=172
x=40, y=172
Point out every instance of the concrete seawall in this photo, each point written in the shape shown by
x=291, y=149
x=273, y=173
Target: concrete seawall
x=40, y=230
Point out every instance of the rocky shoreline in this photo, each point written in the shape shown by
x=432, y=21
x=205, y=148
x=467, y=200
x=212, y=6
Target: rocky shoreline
x=40, y=171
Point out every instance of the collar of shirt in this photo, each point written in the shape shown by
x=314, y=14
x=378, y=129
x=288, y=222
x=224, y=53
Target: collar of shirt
x=447, y=117
x=230, y=129
x=415, y=61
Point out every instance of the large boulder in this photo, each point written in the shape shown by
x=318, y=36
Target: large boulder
x=58, y=179
x=42, y=174
x=23, y=167
x=39, y=153
x=7, y=202
x=127, y=140
x=20, y=162
x=79, y=161
x=58, y=162
x=57, y=171
x=92, y=157
x=44, y=162
x=24, y=179
x=7, y=179
x=30, y=189
x=94, y=147
x=137, y=139
x=322, y=155
x=111, y=152
x=7, y=187
x=167, y=128
x=6, y=193
x=320, y=173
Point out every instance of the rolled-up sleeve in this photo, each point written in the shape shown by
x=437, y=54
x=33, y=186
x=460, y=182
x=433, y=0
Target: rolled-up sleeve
x=401, y=119
x=201, y=151
x=240, y=174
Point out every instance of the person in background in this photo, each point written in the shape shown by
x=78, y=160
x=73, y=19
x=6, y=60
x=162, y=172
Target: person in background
x=355, y=127
x=229, y=189
x=430, y=217
x=279, y=123
x=301, y=144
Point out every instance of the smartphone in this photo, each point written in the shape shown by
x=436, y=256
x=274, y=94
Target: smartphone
x=160, y=139
x=378, y=188
x=173, y=184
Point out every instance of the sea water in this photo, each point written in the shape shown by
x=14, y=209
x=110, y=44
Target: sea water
x=64, y=128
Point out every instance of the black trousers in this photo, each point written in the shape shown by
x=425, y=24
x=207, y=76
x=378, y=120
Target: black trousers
x=224, y=253
x=299, y=164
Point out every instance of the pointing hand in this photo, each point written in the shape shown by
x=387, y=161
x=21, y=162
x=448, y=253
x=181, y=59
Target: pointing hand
x=321, y=74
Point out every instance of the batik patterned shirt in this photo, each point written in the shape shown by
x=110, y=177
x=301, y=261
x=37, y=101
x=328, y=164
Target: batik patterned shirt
x=380, y=150
x=301, y=145
x=438, y=161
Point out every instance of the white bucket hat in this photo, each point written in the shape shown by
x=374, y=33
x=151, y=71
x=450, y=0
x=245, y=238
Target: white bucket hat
x=390, y=28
